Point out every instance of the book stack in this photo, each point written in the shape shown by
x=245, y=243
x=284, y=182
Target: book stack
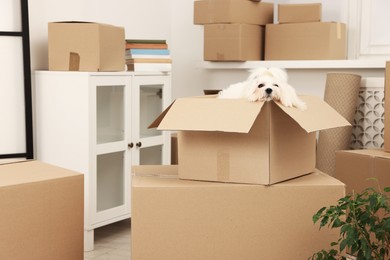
x=147, y=55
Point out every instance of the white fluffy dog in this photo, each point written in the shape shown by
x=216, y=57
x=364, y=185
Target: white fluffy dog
x=265, y=84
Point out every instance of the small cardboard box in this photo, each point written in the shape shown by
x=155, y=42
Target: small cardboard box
x=387, y=108
x=233, y=42
x=305, y=41
x=176, y=219
x=234, y=140
x=233, y=11
x=299, y=13
x=42, y=212
x=83, y=46
x=354, y=167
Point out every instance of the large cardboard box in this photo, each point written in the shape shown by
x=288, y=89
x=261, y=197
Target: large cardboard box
x=233, y=42
x=83, y=46
x=42, y=212
x=354, y=167
x=233, y=11
x=299, y=13
x=387, y=108
x=306, y=41
x=176, y=219
x=234, y=140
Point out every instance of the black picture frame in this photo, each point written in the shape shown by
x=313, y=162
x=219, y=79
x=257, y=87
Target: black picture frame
x=24, y=33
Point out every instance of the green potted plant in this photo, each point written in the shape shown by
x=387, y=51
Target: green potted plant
x=364, y=222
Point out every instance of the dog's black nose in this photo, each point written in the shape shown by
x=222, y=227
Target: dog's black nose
x=268, y=91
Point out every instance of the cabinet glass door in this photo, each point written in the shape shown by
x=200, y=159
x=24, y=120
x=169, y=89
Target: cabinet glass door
x=150, y=96
x=150, y=100
x=110, y=113
x=110, y=185
x=110, y=189
x=151, y=155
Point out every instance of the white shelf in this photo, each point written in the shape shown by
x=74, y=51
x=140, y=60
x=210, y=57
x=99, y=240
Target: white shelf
x=296, y=64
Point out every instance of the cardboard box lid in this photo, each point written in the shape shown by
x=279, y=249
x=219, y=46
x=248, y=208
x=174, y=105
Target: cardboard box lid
x=238, y=115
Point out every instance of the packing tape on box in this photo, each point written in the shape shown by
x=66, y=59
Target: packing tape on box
x=341, y=93
x=338, y=31
x=223, y=165
x=74, y=61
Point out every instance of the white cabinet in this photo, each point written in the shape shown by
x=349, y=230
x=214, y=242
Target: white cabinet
x=96, y=123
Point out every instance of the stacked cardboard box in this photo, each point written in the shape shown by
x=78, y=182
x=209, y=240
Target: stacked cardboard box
x=355, y=167
x=233, y=29
x=300, y=35
x=42, y=212
x=85, y=46
x=244, y=169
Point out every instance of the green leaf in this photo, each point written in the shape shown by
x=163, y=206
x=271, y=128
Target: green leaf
x=343, y=244
x=387, y=189
x=337, y=223
x=324, y=221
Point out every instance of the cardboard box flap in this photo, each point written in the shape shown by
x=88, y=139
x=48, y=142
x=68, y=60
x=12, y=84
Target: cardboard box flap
x=319, y=115
x=205, y=114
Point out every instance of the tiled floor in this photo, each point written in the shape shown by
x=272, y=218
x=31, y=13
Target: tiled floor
x=112, y=242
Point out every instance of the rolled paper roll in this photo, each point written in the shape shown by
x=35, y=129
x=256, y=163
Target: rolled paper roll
x=341, y=93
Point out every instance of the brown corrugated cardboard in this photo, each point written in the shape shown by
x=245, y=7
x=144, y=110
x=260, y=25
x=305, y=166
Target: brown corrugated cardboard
x=234, y=140
x=387, y=108
x=42, y=212
x=176, y=219
x=354, y=167
x=299, y=13
x=305, y=41
x=233, y=42
x=83, y=46
x=233, y=11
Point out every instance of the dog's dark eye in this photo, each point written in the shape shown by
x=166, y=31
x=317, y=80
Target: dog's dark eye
x=276, y=85
x=260, y=85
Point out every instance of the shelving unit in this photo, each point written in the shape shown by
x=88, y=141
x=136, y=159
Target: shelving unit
x=96, y=123
x=296, y=64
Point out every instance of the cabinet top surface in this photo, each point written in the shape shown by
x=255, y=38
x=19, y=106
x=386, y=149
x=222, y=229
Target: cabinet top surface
x=105, y=73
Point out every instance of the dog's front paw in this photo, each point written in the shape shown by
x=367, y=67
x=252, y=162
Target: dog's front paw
x=301, y=106
x=286, y=103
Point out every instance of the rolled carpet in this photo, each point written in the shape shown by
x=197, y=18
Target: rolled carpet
x=341, y=93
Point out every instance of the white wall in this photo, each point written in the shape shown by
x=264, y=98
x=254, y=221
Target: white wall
x=161, y=19
x=171, y=20
x=141, y=19
x=168, y=19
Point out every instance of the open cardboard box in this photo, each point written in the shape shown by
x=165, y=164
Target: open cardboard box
x=175, y=219
x=42, y=212
x=234, y=140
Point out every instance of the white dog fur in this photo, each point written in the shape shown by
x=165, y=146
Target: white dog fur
x=265, y=84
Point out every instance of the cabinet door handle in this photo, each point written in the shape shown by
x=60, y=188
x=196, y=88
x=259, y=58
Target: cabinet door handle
x=130, y=145
x=139, y=144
